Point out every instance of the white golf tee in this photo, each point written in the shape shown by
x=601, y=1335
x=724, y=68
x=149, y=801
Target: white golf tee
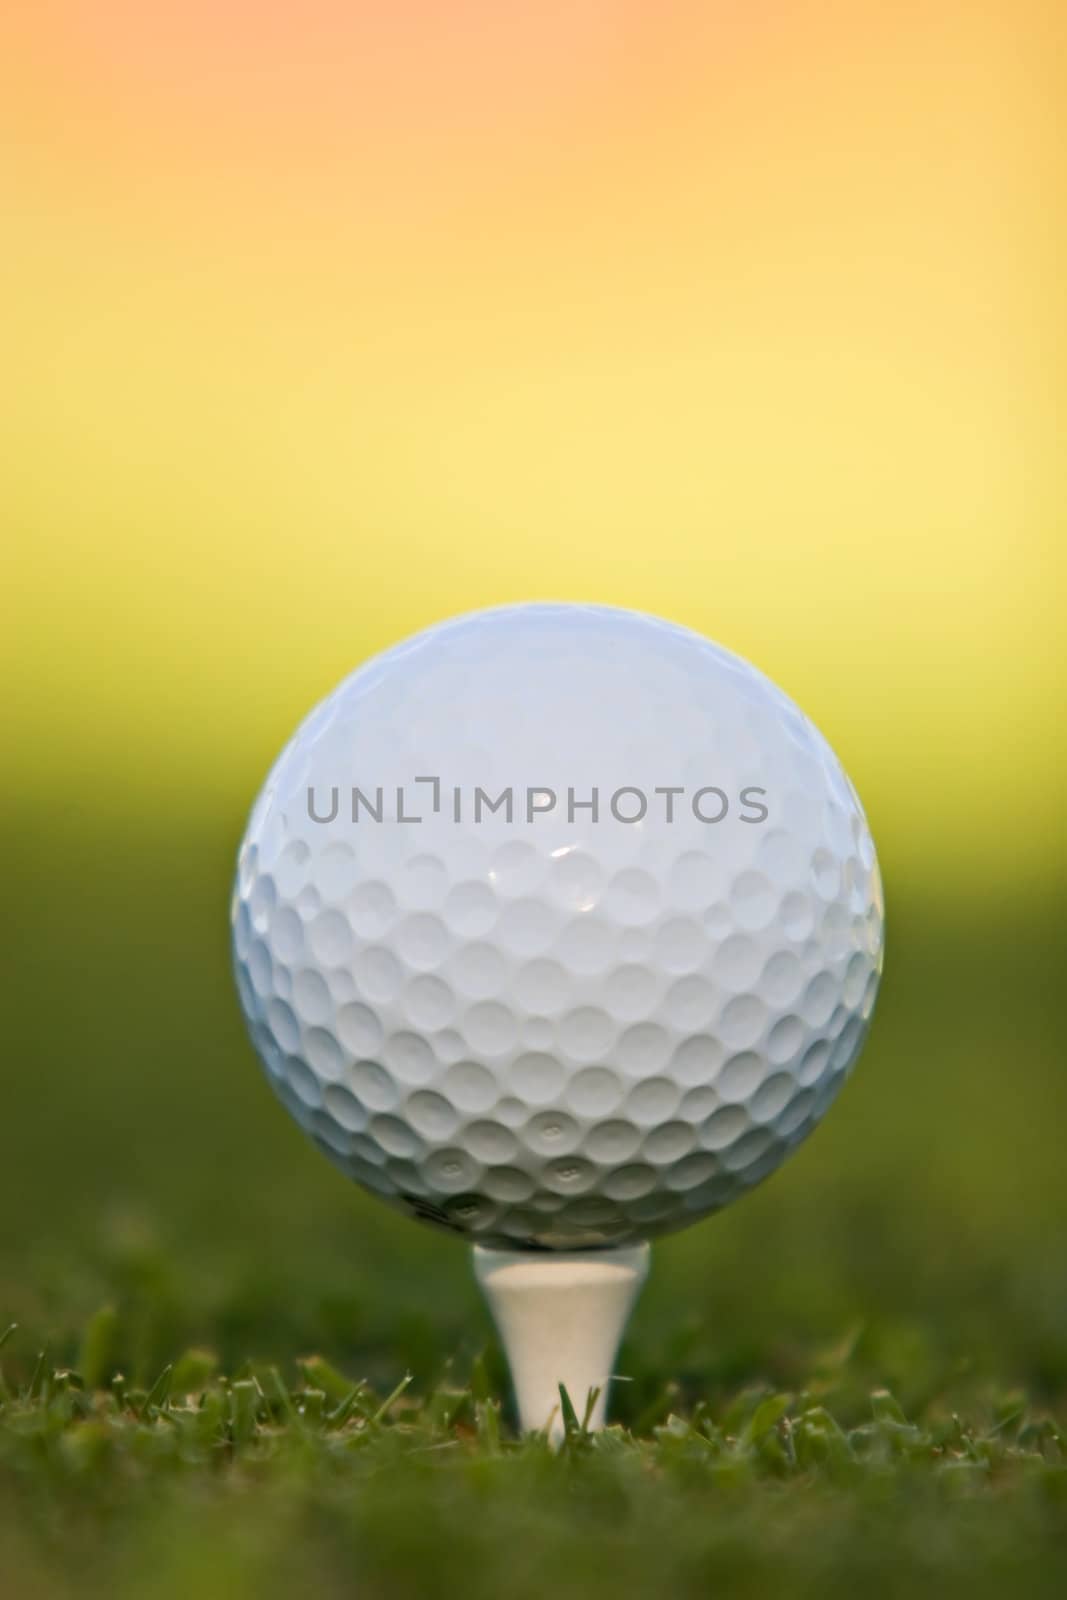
x=560, y=1317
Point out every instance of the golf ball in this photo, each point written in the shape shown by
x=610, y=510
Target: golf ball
x=558, y=926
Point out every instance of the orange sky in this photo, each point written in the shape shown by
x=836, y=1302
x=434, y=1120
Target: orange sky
x=330, y=320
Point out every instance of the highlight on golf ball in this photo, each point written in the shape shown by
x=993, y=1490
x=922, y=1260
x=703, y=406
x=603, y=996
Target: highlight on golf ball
x=557, y=926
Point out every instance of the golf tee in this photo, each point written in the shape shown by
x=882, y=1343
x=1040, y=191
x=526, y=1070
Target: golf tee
x=560, y=1317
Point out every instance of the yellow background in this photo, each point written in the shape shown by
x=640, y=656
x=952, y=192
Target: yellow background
x=326, y=321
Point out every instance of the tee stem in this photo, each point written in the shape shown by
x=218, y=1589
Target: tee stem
x=560, y=1316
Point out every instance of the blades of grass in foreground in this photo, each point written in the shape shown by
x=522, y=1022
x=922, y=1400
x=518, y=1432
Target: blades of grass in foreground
x=390, y=1401
x=4, y=1337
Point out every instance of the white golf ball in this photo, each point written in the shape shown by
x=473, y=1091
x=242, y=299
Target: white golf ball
x=558, y=926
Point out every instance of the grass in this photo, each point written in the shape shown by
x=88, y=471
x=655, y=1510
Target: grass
x=853, y=1382
x=264, y=1483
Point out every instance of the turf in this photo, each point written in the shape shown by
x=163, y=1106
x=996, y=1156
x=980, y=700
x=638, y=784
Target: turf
x=854, y=1381
x=268, y=1484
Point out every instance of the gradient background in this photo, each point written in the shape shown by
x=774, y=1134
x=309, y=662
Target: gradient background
x=327, y=321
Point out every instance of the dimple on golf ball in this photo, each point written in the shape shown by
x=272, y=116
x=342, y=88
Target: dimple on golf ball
x=558, y=926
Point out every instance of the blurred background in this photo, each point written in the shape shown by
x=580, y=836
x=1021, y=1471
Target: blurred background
x=327, y=321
